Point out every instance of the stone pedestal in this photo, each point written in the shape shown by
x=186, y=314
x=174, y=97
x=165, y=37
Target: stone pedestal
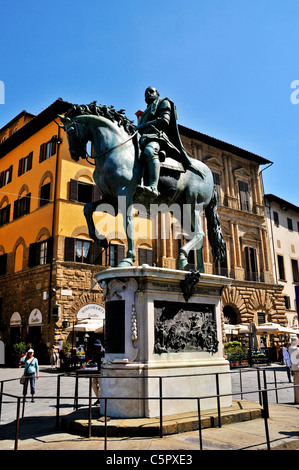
x=160, y=338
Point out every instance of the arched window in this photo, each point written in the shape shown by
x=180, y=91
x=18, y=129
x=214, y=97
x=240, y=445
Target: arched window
x=230, y=315
x=19, y=256
x=4, y=211
x=45, y=193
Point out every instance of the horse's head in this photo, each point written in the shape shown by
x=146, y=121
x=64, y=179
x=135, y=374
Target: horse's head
x=76, y=136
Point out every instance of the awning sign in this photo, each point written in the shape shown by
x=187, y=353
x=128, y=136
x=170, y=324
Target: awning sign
x=35, y=317
x=91, y=311
x=15, y=319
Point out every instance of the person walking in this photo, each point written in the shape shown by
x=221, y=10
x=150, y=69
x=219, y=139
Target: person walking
x=99, y=353
x=287, y=360
x=31, y=372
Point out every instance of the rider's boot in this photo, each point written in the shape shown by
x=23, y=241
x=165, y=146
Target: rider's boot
x=153, y=173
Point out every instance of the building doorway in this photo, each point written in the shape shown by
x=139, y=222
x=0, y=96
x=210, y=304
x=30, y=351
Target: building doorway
x=230, y=315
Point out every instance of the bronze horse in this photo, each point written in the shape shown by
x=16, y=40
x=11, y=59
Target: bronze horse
x=119, y=170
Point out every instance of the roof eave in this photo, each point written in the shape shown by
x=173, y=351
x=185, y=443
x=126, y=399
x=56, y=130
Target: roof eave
x=226, y=147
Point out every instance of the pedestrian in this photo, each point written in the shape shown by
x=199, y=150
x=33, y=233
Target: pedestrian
x=287, y=360
x=99, y=353
x=54, y=357
x=31, y=372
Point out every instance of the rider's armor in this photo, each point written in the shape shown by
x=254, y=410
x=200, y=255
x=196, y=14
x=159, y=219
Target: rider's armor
x=160, y=137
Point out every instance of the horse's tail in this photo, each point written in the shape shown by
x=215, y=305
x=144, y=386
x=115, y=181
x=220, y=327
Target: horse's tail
x=214, y=230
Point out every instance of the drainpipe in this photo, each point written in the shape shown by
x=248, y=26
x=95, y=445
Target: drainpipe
x=51, y=292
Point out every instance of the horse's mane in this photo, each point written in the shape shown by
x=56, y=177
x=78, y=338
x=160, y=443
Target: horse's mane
x=108, y=112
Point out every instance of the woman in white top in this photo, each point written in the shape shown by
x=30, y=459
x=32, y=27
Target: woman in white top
x=31, y=372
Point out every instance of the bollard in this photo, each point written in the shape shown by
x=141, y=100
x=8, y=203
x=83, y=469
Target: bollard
x=161, y=407
x=296, y=382
x=1, y=395
x=17, y=424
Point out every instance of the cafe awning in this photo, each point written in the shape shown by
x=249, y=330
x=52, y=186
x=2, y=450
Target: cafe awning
x=87, y=326
x=235, y=329
x=275, y=328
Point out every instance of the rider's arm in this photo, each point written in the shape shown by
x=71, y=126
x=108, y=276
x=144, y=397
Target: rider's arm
x=162, y=120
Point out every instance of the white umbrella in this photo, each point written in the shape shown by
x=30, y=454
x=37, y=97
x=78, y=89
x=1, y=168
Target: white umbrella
x=235, y=329
x=275, y=328
x=267, y=328
x=288, y=330
x=85, y=326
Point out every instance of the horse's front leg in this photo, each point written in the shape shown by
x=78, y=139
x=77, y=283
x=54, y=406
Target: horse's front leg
x=89, y=209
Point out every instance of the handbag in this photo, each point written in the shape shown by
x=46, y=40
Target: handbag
x=23, y=379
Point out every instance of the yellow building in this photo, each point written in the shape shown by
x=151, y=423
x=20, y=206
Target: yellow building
x=48, y=261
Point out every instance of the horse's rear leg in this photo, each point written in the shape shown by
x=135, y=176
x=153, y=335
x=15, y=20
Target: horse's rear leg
x=196, y=242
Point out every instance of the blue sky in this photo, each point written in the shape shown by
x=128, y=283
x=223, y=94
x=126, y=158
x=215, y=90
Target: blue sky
x=228, y=66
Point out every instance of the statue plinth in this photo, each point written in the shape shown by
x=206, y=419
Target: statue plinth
x=162, y=329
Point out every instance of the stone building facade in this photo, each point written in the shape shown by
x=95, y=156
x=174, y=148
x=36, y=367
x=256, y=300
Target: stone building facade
x=48, y=261
x=253, y=295
x=283, y=228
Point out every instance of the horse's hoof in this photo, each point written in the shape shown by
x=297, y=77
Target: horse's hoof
x=125, y=263
x=182, y=262
x=102, y=242
x=182, y=265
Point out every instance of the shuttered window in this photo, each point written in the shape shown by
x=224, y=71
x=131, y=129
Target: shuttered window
x=295, y=271
x=47, y=149
x=244, y=196
x=4, y=215
x=45, y=192
x=116, y=254
x=25, y=164
x=22, y=206
x=82, y=251
x=287, y=302
x=6, y=176
x=40, y=252
x=290, y=224
x=216, y=178
x=3, y=264
x=276, y=218
x=84, y=192
x=145, y=256
x=281, y=267
x=251, y=264
x=221, y=267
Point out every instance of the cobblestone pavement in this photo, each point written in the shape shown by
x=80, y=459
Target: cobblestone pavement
x=38, y=432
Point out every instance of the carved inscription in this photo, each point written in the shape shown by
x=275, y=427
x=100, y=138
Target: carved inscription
x=184, y=327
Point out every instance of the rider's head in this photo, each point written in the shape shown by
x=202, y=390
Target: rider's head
x=151, y=94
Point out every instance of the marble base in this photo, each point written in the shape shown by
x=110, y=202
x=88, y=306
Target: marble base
x=145, y=307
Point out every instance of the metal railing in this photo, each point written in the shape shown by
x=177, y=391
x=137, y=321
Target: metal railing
x=261, y=391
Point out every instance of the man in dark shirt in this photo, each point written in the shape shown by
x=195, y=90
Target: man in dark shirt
x=99, y=353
